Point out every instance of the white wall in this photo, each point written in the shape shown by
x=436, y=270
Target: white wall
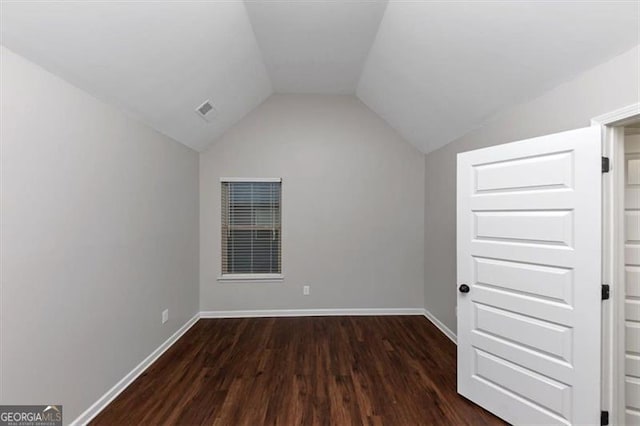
x=99, y=234
x=607, y=87
x=353, y=207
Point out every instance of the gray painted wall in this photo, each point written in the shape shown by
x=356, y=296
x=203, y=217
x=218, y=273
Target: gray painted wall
x=353, y=206
x=99, y=235
x=100, y=219
x=607, y=87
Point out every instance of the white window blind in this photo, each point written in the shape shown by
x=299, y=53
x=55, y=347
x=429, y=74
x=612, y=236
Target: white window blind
x=251, y=227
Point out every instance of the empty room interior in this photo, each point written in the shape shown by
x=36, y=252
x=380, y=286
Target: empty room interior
x=319, y=212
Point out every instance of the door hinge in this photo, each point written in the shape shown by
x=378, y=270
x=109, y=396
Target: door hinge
x=605, y=291
x=604, y=418
x=605, y=165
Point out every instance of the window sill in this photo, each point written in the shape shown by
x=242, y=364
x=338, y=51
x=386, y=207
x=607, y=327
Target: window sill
x=251, y=278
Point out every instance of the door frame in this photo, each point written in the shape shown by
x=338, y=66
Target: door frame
x=612, y=131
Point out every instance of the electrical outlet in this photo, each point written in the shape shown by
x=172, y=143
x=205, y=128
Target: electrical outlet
x=165, y=316
x=305, y=290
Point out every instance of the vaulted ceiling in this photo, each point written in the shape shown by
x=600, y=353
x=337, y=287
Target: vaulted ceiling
x=432, y=70
x=315, y=47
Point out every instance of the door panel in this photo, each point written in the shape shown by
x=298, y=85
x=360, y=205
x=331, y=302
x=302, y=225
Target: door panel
x=519, y=354
x=524, y=279
x=555, y=396
x=632, y=393
x=537, y=227
x=544, y=336
x=542, y=172
x=523, y=304
x=632, y=336
x=529, y=248
x=632, y=281
x=632, y=365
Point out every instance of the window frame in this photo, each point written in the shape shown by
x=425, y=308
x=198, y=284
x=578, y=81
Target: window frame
x=253, y=277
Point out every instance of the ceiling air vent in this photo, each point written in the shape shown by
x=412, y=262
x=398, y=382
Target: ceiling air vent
x=206, y=111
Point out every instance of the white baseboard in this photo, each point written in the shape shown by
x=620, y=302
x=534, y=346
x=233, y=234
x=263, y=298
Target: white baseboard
x=331, y=312
x=112, y=393
x=310, y=312
x=447, y=332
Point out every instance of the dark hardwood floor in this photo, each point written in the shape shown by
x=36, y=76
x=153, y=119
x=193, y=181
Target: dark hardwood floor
x=389, y=370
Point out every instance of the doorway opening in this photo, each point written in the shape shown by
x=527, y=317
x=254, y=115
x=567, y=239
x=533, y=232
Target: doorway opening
x=621, y=265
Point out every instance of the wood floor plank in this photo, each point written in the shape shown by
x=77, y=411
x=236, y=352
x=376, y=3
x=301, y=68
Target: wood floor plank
x=389, y=370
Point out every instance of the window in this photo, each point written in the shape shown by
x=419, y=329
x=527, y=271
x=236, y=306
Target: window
x=251, y=228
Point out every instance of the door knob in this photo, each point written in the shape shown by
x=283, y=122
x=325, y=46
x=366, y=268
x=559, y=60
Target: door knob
x=464, y=288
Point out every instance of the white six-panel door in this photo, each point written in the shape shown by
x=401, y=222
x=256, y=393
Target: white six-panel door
x=529, y=249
